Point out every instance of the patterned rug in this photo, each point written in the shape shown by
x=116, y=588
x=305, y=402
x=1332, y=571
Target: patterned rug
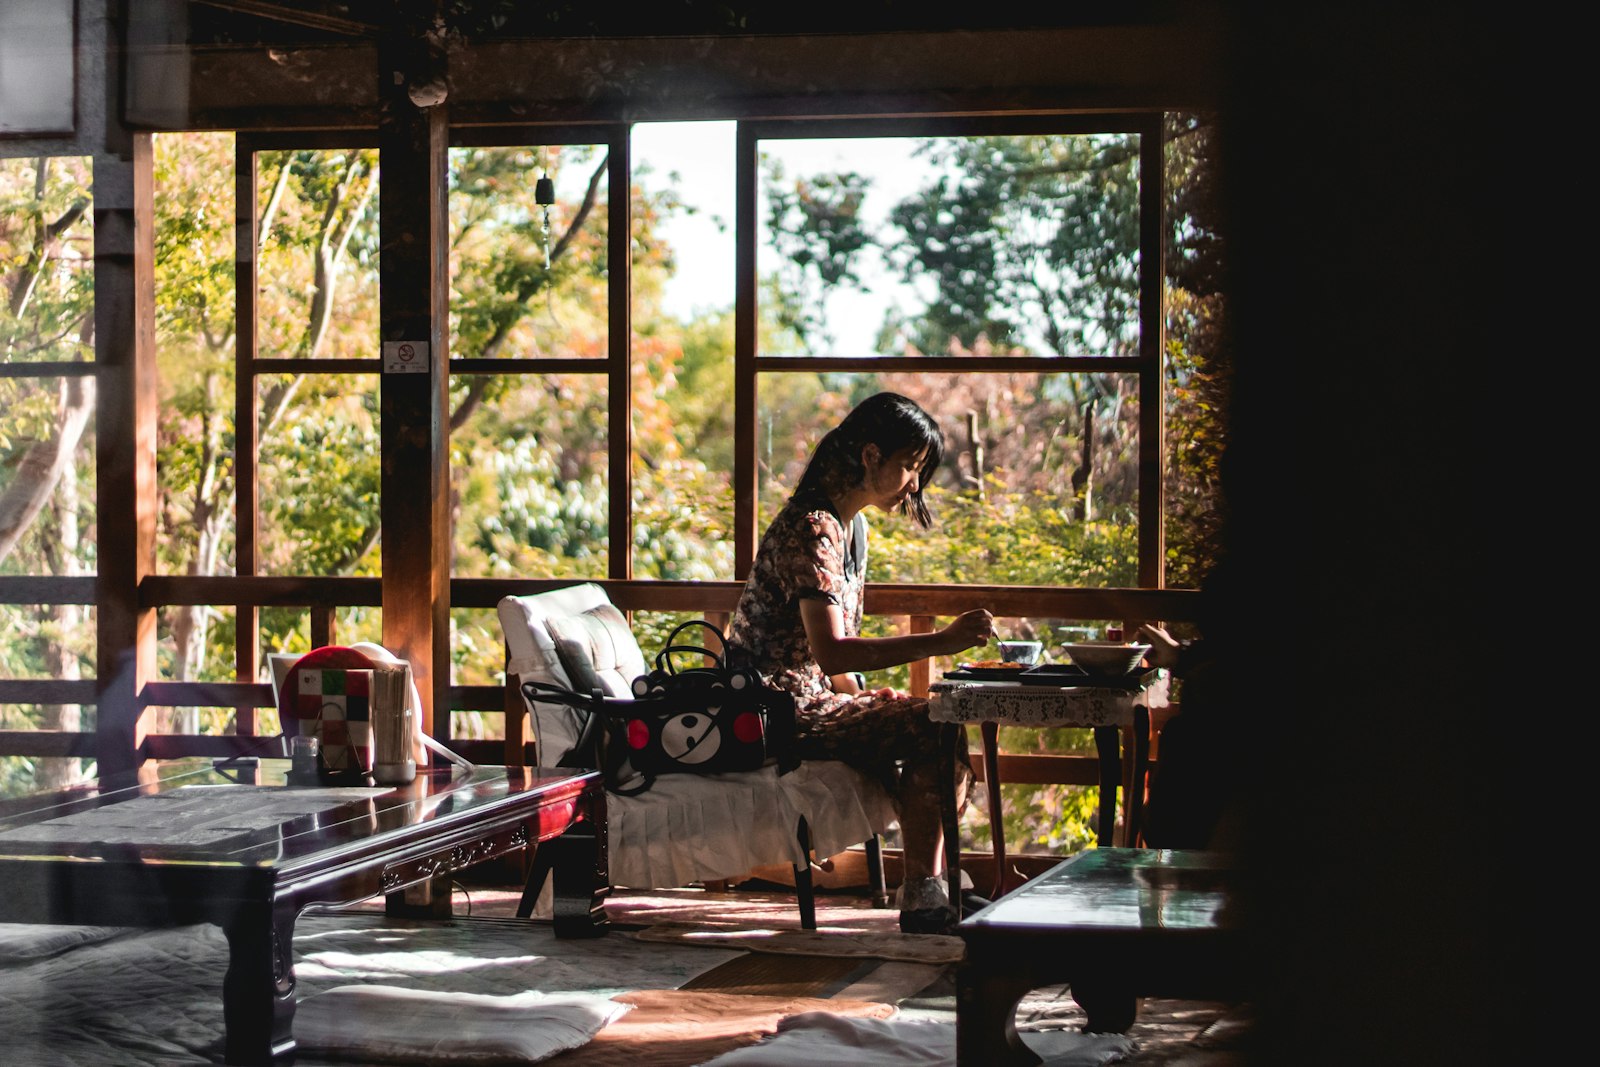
x=848, y=941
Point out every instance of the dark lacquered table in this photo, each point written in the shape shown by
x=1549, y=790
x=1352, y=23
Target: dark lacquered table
x=1115, y=924
x=159, y=855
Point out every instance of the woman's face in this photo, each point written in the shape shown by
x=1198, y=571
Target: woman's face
x=890, y=480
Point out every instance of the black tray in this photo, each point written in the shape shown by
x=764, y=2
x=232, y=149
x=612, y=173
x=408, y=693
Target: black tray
x=1065, y=674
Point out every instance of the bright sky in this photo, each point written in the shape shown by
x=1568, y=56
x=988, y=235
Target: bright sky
x=701, y=154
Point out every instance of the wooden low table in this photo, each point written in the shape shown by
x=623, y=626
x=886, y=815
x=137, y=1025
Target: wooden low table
x=1115, y=924
x=198, y=848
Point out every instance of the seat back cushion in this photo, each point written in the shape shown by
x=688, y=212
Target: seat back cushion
x=572, y=637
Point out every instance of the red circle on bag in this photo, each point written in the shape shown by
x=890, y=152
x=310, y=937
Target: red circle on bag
x=638, y=733
x=747, y=727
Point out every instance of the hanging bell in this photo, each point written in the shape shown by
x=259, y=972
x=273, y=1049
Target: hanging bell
x=544, y=191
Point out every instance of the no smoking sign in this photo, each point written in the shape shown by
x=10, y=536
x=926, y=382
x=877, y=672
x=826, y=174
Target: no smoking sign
x=405, y=357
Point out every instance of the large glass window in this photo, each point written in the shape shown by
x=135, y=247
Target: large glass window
x=978, y=245
x=49, y=527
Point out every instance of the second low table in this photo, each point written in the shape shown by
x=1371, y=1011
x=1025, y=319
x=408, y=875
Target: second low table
x=1108, y=711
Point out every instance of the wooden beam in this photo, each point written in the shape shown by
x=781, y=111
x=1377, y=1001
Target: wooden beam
x=414, y=288
x=1173, y=60
x=1152, y=356
x=619, y=386
x=262, y=591
x=247, y=427
x=46, y=589
x=125, y=441
x=745, y=332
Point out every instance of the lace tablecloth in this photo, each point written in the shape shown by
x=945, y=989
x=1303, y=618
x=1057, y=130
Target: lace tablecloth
x=1015, y=704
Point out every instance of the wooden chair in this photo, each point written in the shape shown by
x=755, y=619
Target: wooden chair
x=685, y=828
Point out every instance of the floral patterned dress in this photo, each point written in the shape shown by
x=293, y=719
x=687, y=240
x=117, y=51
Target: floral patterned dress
x=806, y=554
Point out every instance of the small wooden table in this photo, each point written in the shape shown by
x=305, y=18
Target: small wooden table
x=1110, y=711
x=198, y=848
x=1113, y=923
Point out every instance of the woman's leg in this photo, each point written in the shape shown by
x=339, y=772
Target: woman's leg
x=894, y=738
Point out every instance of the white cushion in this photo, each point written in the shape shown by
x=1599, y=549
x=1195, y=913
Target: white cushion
x=596, y=647
x=395, y=1024
x=586, y=615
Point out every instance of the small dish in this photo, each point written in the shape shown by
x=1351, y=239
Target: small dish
x=1027, y=653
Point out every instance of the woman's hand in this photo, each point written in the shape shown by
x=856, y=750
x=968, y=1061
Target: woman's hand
x=1163, y=648
x=970, y=629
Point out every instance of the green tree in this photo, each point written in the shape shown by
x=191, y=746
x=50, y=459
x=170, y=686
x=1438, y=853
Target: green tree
x=815, y=226
x=46, y=487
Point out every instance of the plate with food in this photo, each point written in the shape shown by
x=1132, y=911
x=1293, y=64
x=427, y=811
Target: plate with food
x=1000, y=669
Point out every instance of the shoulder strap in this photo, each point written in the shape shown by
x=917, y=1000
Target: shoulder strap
x=858, y=542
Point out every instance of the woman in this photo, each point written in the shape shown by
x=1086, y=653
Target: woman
x=799, y=623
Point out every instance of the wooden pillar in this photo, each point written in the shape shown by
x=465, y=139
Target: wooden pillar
x=619, y=385
x=125, y=444
x=247, y=427
x=413, y=281
x=1152, y=356
x=745, y=332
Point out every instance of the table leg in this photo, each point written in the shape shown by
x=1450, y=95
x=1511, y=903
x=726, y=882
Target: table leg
x=986, y=1019
x=1141, y=774
x=1110, y=1010
x=1107, y=742
x=258, y=989
x=581, y=871
x=948, y=736
x=997, y=825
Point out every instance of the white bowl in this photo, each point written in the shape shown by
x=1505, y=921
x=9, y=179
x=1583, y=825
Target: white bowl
x=1106, y=657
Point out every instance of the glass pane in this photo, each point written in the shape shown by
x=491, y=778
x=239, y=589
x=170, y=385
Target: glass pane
x=22, y=775
x=211, y=722
x=683, y=474
x=477, y=726
x=46, y=259
x=683, y=320
x=195, y=643
x=1009, y=505
x=1197, y=365
x=319, y=474
x=317, y=291
x=529, y=476
x=288, y=630
x=47, y=476
x=526, y=281
x=195, y=352
x=1024, y=245
x=477, y=647
x=47, y=641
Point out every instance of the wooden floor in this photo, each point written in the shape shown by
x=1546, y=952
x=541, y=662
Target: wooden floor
x=1167, y=1033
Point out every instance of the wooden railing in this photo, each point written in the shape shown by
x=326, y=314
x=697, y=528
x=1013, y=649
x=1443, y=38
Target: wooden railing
x=323, y=597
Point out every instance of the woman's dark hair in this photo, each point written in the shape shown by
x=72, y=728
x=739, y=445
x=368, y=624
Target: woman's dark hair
x=890, y=421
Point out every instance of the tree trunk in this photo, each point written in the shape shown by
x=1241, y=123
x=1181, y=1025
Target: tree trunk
x=42, y=466
x=60, y=640
x=1083, y=477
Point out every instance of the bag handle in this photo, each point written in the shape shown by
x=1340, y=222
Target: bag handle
x=664, y=657
x=590, y=751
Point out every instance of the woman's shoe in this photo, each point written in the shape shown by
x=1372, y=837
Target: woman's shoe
x=971, y=902
x=925, y=907
x=929, y=921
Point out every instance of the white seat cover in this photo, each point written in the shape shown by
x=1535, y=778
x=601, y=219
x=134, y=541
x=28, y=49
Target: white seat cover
x=684, y=828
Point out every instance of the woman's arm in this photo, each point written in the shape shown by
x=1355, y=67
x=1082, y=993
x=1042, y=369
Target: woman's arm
x=837, y=654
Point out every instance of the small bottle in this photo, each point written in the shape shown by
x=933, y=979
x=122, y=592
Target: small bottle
x=303, y=753
x=1114, y=633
